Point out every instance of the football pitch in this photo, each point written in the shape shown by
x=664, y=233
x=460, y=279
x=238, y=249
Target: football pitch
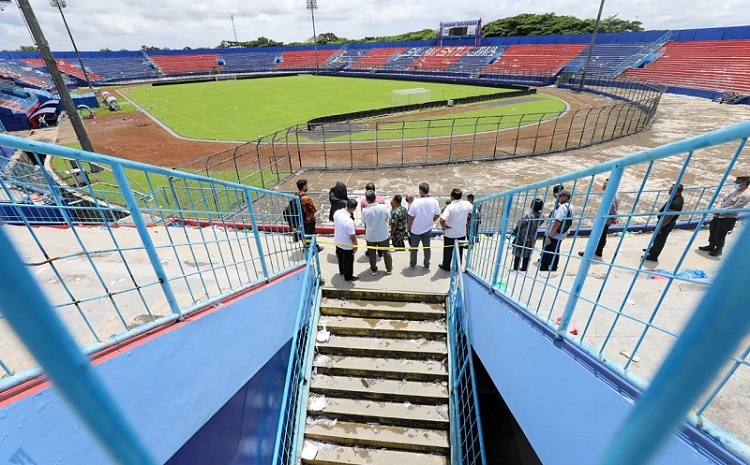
x=244, y=110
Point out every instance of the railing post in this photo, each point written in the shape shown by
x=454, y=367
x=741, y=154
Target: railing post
x=256, y=233
x=30, y=314
x=615, y=177
x=501, y=242
x=140, y=225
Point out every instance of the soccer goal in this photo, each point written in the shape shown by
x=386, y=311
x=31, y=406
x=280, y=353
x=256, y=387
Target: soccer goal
x=414, y=96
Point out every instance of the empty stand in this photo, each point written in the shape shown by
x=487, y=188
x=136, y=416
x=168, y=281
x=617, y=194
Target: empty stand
x=304, y=59
x=402, y=61
x=24, y=74
x=538, y=58
x=65, y=67
x=188, y=63
x=376, y=58
x=249, y=60
x=475, y=59
x=721, y=65
x=121, y=68
x=438, y=58
x=347, y=57
x=607, y=58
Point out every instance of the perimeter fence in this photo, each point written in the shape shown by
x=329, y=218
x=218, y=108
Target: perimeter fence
x=415, y=142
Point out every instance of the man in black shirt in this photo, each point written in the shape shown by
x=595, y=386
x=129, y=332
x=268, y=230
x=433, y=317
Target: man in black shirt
x=667, y=224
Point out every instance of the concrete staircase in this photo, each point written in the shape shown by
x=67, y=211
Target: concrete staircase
x=379, y=385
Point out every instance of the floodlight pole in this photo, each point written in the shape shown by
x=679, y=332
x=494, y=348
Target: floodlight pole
x=312, y=5
x=591, y=47
x=60, y=4
x=57, y=80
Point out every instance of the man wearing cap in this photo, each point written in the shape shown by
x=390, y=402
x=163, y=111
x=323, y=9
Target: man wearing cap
x=722, y=223
x=555, y=233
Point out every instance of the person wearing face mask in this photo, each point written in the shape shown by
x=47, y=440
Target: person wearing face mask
x=722, y=222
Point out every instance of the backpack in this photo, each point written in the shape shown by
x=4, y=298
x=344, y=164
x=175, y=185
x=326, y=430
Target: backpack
x=567, y=222
x=292, y=213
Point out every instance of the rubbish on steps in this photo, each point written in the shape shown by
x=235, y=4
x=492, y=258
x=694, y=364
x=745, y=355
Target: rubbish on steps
x=323, y=334
x=309, y=451
x=317, y=403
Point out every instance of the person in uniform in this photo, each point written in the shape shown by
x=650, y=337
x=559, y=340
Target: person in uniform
x=723, y=223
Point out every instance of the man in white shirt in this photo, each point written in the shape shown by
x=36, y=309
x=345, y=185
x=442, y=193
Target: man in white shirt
x=345, y=237
x=422, y=215
x=453, y=221
x=377, y=232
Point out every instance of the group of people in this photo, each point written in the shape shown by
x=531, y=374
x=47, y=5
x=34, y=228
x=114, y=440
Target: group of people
x=387, y=230
x=560, y=219
x=391, y=229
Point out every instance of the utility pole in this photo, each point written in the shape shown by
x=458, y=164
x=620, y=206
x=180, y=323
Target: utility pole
x=234, y=29
x=60, y=4
x=57, y=80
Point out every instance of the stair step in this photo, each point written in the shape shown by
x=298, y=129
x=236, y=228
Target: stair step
x=384, y=413
x=338, y=455
x=392, y=310
x=381, y=296
x=383, y=347
x=377, y=327
x=415, y=370
x=416, y=392
x=379, y=436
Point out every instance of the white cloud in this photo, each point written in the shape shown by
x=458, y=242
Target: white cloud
x=177, y=24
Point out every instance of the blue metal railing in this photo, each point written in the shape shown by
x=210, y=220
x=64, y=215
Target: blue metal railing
x=623, y=310
x=135, y=245
x=467, y=444
x=293, y=403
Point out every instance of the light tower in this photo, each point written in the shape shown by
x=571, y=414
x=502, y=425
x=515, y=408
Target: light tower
x=60, y=4
x=312, y=5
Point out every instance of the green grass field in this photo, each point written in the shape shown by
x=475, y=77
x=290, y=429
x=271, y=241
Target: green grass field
x=244, y=110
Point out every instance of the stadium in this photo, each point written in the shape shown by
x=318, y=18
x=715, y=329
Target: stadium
x=157, y=309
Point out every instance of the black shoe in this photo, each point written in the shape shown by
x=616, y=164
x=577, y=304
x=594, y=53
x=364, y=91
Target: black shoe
x=444, y=268
x=354, y=278
x=580, y=254
x=645, y=250
x=707, y=248
x=649, y=259
x=715, y=253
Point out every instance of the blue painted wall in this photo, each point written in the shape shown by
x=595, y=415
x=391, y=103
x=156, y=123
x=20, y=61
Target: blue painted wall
x=568, y=408
x=243, y=431
x=171, y=385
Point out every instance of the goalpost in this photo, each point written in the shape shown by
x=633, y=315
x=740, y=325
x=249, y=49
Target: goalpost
x=414, y=96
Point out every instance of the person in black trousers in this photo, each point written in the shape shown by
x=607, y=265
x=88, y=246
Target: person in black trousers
x=668, y=223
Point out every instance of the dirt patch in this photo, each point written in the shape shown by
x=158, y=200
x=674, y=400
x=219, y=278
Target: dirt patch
x=135, y=136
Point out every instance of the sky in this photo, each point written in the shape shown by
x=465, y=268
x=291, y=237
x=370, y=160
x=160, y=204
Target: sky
x=177, y=24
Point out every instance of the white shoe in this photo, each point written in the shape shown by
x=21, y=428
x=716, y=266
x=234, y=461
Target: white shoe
x=374, y=273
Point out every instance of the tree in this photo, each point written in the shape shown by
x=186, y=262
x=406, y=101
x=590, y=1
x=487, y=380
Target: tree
x=528, y=24
x=261, y=42
x=27, y=48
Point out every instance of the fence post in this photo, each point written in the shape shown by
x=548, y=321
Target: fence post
x=615, y=176
x=256, y=233
x=501, y=242
x=140, y=225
